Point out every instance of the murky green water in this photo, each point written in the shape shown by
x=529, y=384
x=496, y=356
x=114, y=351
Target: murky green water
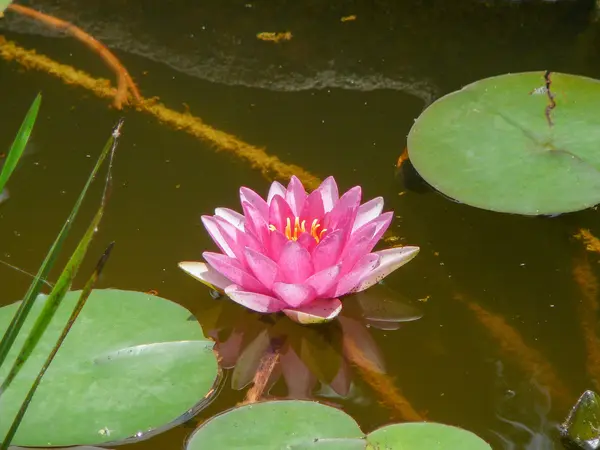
x=339, y=98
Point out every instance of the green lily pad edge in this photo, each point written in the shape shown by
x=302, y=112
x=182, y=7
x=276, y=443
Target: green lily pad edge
x=276, y=424
x=524, y=143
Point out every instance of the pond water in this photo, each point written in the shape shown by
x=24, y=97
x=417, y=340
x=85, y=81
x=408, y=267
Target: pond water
x=507, y=339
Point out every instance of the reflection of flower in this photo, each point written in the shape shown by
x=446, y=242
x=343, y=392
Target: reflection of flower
x=298, y=252
x=262, y=350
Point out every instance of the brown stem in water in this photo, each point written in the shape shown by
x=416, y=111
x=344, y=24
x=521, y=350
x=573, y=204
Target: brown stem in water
x=267, y=364
x=125, y=84
x=382, y=384
x=514, y=347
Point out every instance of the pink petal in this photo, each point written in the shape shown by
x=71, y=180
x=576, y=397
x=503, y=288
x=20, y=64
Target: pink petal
x=264, y=268
x=324, y=280
x=381, y=223
x=279, y=212
x=294, y=295
x=295, y=195
x=345, y=223
x=248, y=195
x=307, y=241
x=248, y=239
x=327, y=252
x=367, y=212
x=364, y=240
x=390, y=260
x=229, y=233
x=256, y=223
x=232, y=269
x=256, y=302
x=276, y=189
x=215, y=233
x=358, y=246
x=295, y=264
x=233, y=217
x=206, y=274
x=329, y=193
x=313, y=209
x=276, y=244
x=319, y=311
x=350, y=281
x=347, y=203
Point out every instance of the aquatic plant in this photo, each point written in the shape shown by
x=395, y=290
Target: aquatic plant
x=523, y=143
x=296, y=252
x=581, y=429
x=39, y=333
x=305, y=424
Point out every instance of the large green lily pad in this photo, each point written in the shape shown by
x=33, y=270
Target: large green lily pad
x=497, y=144
x=279, y=424
x=132, y=364
x=425, y=436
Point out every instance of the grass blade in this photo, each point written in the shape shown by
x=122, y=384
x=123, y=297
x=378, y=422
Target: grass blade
x=18, y=146
x=65, y=279
x=34, y=289
x=85, y=293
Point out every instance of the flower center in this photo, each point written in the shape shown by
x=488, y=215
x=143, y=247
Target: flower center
x=300, y=227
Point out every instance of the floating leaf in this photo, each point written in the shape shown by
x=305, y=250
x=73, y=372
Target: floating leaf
x=424, y=436
x=510, y=144
x=85, y=293
x=279, y=424
x=581, y=430
x=132, y=364
x=3, y=5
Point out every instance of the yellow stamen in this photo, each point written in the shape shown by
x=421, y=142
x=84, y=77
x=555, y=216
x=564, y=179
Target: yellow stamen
x=299, y=228
x=288, y=229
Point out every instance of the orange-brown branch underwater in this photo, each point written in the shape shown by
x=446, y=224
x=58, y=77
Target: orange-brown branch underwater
x=125, y=83
x=270, y=166
x=512, y=344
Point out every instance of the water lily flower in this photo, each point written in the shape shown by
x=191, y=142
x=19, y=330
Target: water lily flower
x=298, y=253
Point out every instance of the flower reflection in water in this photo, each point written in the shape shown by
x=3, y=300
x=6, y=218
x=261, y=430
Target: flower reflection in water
x=311, y=362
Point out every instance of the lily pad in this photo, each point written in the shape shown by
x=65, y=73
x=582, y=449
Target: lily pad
x=581, y=429
x=424, y=436
x=279, y=424
x=132, y=366
x=510, y=144
x=3, y=5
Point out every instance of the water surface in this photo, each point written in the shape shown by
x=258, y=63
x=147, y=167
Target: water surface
x=338, y=99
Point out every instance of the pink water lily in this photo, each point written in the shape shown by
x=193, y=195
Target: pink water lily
x=296, y=252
